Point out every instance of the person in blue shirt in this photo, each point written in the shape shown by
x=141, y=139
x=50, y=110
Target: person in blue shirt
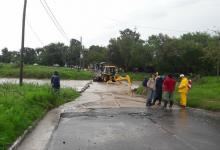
x=55, y=81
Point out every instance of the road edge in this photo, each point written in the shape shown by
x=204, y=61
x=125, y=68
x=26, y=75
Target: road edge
x=19, y=140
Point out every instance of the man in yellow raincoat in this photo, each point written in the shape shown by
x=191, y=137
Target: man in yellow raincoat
x=183, y=90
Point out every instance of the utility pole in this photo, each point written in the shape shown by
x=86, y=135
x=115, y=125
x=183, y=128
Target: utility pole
x=83, y=57
x=22, y=44
x=81, y=54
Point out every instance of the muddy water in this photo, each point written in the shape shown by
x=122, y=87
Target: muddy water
x=75, y=84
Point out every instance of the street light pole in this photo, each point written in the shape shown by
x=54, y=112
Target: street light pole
x=22, y=44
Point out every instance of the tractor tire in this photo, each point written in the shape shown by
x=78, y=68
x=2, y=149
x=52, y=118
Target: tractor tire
x=106, y=78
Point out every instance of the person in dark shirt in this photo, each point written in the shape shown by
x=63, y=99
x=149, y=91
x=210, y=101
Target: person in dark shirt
x=55, y=81
x=158, y=94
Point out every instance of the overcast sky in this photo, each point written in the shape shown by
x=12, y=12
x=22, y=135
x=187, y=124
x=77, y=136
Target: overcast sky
x=99, y=20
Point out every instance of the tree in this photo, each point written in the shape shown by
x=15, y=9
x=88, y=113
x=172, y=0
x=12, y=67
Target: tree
x=97, y=54
x=15, y=57
x=127, y=42
x=53, y=53
x=212, y=51
x=73, y=52
x=182, y=54
x=158, y=44
x=193, y=45
x=121, y=49
x=30, y=56
x=6, y=55
x=113, y=53
x=39, y=52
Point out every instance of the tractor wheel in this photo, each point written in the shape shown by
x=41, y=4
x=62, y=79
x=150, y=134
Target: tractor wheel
x=106, y=78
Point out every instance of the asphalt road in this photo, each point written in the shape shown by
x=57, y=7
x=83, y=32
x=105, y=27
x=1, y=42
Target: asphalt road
x=106, y=117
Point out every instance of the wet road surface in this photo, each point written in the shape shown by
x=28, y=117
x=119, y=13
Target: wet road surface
x=106, y=117
x=135, y=129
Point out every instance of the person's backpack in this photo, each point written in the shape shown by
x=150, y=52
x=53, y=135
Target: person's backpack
x=144, y=83
x=189, y=84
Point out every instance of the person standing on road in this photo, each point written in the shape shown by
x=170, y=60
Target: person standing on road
x=168, y=90
x=55, y=81
x=144, y=84
x=151, y=90
x=158, y=91
x=183, y=90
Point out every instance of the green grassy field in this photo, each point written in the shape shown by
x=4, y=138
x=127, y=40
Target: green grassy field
x=21, y=106
x=205, y=94
x=139, y=76
x=41, y=72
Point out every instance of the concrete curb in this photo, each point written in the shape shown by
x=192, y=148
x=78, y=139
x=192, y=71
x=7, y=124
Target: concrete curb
x=85, y=87
x=26, y=132
x=19, y=140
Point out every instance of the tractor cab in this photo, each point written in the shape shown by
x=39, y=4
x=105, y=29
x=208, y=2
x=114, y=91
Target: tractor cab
x=108, y=72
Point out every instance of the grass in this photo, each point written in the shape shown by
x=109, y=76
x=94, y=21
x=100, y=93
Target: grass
x=42, y=72
x=205, y=94
x=138, y=76
x=21, y=106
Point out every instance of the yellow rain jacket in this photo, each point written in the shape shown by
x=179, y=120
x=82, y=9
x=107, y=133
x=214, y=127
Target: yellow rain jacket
x=183, y=87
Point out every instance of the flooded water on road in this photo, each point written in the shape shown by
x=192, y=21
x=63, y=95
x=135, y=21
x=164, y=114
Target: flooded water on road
x=75, y=84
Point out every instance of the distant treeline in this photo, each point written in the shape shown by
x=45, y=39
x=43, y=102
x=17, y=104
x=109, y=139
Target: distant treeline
x=190, y=53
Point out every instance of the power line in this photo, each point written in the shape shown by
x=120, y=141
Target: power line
x=52, y=17
x=35, y=33
x=54, y=20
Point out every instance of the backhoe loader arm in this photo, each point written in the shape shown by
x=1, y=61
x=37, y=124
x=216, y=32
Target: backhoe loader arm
x=120, y=78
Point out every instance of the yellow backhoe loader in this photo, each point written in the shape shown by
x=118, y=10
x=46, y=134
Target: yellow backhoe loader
x=108, y=74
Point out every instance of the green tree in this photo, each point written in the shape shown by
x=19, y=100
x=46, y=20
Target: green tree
x=193, y=45
x=6, y=56
x=158, y=45
x=53, y=53
x=73, y=52
x=15, y=57
x=97, y=54
x=212, y=51
x=114, y=54
x=126, y=50
x=30, y=56
x=127, y=43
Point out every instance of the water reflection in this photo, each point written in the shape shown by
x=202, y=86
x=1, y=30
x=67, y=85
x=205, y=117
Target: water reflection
x=183, y=117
